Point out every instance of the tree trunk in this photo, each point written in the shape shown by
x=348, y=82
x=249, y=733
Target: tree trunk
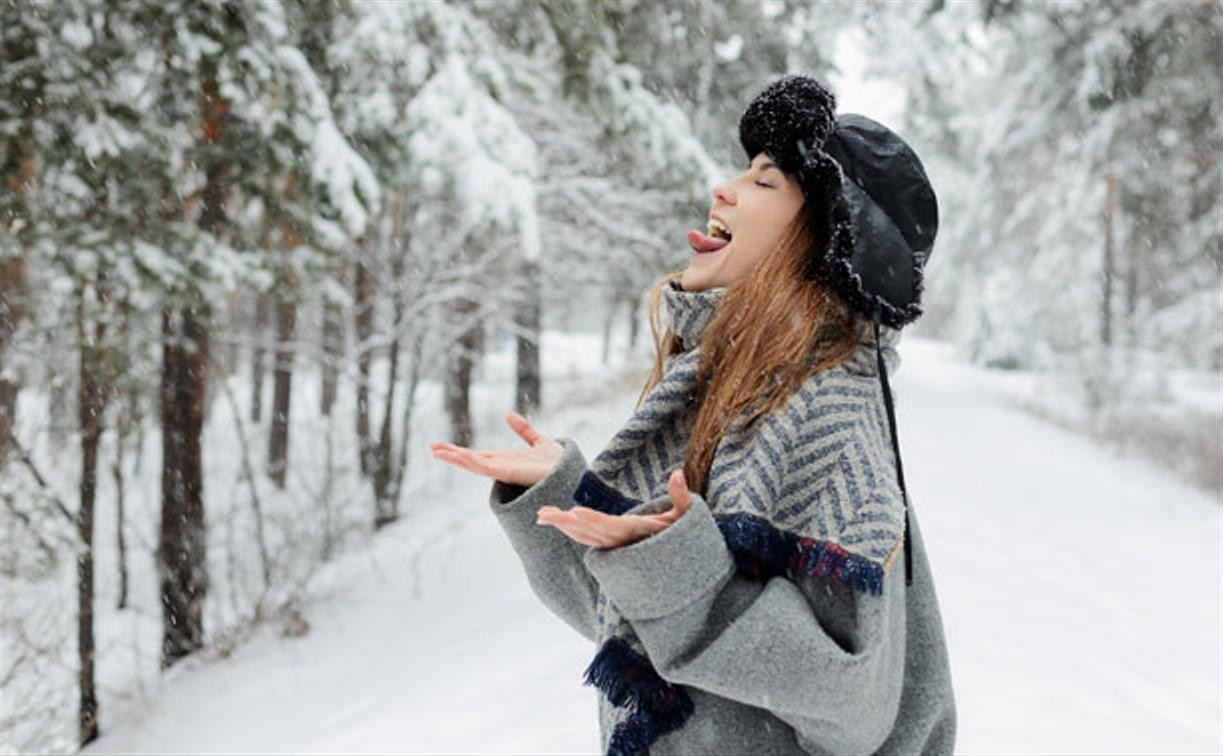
x=286, y=320
x=1132, y=263
x=127, y=417
x=607, y=328
x=363, y=286
x=458, y=383
x=527, y=394
x=90, y=393
x=405, y=424
x=1106, y=303
x=263, y=303
x=333, y=344
x=384, y=510
x=8, y=414
x=634, y=305
x=182, y=545
x=17, y=173
x=120, y=518
x=383, y=451
x=14, y=276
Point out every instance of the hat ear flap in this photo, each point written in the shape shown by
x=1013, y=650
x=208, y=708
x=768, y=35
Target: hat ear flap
x=828, y=216
x=886, y=270
x=861, y=254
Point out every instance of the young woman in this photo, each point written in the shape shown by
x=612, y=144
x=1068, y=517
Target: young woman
x=732, y=551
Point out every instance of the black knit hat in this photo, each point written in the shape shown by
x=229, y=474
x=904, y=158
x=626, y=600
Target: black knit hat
x=866, y=195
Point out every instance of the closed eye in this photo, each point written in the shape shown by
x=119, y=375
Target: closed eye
x=761, y=183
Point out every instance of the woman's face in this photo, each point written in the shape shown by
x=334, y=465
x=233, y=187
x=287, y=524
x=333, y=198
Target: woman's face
x=756, y=206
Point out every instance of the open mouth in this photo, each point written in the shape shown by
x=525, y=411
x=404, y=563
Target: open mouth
x=719, y=229
x=716, y=239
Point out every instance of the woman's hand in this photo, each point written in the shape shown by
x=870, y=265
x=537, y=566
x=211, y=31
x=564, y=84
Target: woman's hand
x=525, y=467
x=593, y=528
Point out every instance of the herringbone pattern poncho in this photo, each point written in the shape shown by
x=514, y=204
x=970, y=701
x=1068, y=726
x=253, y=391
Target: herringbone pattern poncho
x=808, y=489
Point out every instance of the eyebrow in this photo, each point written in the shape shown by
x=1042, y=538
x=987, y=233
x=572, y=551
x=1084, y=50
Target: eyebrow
x=767, y=165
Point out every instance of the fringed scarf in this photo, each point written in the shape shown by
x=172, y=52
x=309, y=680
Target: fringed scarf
x=804, y=536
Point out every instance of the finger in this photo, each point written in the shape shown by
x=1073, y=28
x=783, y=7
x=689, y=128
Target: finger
x=580, y=532
x=632, y=530
x=662, y=519
x=437, y=446
x=647, y=525
x=447, y=455
x=450, y=449
x=598, y=529
x=447, y=446
x=624, y=529
x=592, y=516
x=591, y=537
x=570, y=519
x=467, y=459
x=617, y=527
x=677, y=489
x=522, y=427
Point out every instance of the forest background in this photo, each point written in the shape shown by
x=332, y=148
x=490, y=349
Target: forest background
x=238, y=238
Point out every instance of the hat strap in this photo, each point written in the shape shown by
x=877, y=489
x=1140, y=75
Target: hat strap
x=900, y=476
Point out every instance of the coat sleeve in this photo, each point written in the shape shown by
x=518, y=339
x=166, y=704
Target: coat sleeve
x=553, y=561
x=823, y=658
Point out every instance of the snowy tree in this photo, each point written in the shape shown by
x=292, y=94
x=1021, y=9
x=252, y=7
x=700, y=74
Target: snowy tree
x=1100, y=95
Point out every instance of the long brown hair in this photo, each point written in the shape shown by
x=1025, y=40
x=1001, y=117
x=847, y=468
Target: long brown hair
x=773, y=328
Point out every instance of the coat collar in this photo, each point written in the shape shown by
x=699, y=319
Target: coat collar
x=690, y=311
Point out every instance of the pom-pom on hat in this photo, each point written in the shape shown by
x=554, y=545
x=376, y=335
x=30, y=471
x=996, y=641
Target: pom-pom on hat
x=793, y=107
x=866, y=193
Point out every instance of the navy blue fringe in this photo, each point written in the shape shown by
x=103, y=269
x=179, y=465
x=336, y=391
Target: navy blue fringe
x=762, y=551
x=628, y=679
x=829, y=559
x=633, y=736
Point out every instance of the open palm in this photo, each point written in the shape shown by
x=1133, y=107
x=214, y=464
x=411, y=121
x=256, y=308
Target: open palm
x=594, y=528
x=529, y=465
x=524, y=467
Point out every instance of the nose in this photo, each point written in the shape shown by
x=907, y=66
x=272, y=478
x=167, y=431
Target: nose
x=724, y=192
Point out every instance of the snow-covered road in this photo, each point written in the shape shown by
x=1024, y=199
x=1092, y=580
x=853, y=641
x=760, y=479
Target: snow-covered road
x=1082, y=596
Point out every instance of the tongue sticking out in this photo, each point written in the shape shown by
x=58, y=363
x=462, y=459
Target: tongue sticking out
x=702, y=243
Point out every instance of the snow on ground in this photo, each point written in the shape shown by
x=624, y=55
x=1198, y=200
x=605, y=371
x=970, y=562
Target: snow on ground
x=1082, y=592
x=1082, y=596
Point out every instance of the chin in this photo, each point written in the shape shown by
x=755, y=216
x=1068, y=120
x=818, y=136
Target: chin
x=692, y=281
x=698, y=280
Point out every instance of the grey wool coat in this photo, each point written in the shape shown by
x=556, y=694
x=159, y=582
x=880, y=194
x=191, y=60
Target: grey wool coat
x=791, y=664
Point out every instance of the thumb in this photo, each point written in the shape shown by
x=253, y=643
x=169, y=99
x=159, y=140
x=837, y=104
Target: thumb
x=677, y=488
x=522, y=427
